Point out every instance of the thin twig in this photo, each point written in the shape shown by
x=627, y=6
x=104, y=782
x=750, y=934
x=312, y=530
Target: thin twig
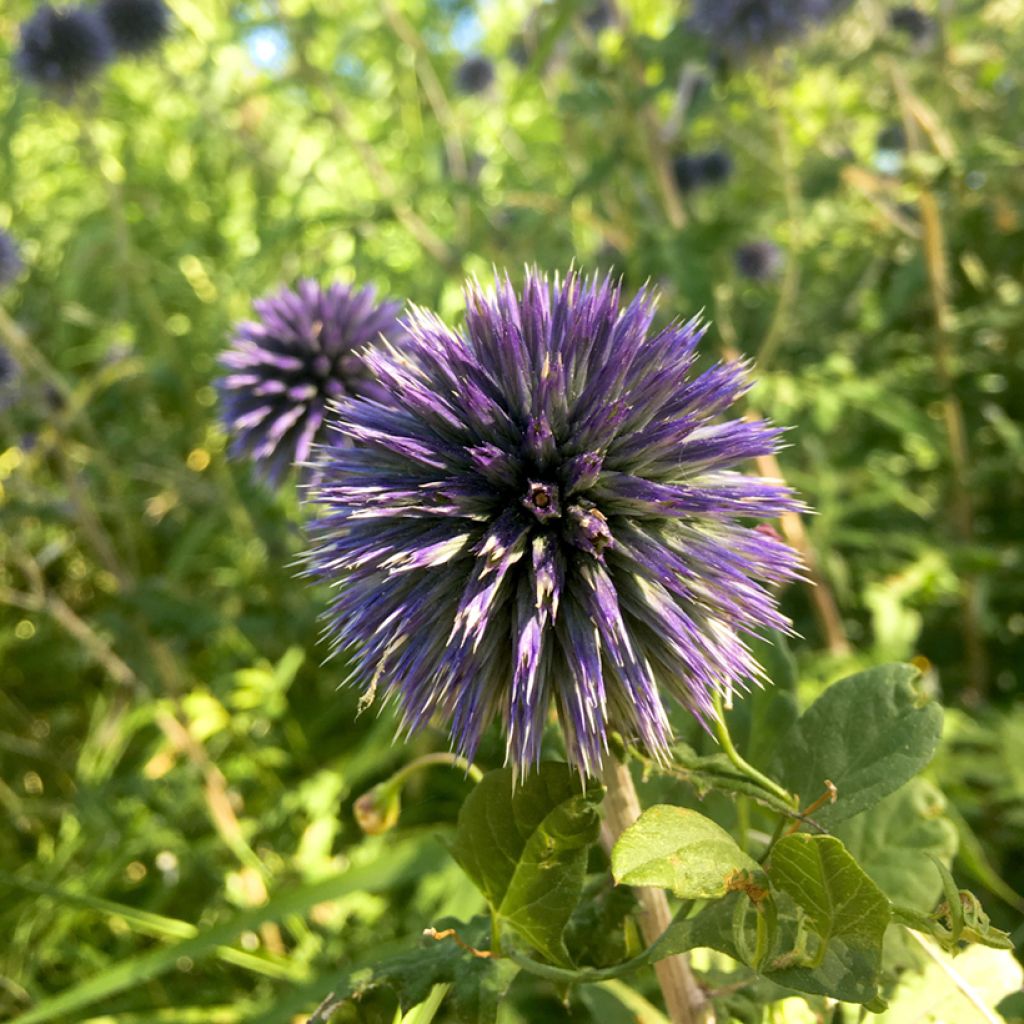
x=933, y=244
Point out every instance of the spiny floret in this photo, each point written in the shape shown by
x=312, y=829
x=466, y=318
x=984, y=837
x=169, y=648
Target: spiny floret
x=544, y=512
x=282, y=369
x=136, y=25
x=61, y=48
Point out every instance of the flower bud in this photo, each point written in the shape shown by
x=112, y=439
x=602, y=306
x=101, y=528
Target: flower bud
x=377, y=810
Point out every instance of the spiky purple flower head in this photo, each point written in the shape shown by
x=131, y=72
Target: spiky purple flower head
x=544, y=512
x=10, y=259
x=63, y=47
x=136, y=25
x=282, y=369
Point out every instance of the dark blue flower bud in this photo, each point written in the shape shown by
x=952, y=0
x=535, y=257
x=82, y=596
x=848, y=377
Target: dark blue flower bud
x=136, y=25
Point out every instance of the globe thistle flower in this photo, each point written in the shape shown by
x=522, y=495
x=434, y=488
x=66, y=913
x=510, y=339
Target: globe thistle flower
x=759, y=261
x=304, y=350
x=10, y=260
x=63, y=47
x=545, y=513
x=742, y=27
x=475, y=74
x=699, y=169
x=136, y=25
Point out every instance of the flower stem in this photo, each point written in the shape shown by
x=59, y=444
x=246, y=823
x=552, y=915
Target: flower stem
x=722, y=732
x=454, y=760
x=684, y=999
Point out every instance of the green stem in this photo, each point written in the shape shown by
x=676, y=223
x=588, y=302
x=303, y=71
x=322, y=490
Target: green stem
x=496, y=933
x=425, y=1012
x=427, y=760
x=582, y=975
x=722, y=732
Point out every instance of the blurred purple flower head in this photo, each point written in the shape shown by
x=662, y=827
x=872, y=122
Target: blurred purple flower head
x=545, y=513
x=475, y=74
x=10, y=260
x=63, y=47
x=759, y=261
x=136, y=25
x=10, y=372
x=919, y=26
x=282, y=369
x=599, y=16
x=741, y=27
x=693, y=171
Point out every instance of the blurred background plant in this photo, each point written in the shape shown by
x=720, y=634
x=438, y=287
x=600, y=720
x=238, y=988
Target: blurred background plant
x=840, y=190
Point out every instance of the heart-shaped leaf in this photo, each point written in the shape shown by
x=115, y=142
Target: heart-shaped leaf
x=678, y=849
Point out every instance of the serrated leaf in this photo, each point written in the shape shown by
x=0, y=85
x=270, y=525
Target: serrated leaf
x=525, y=848
x=868, y=734
x=892, y=841
x=843, y=907
x=678, y=849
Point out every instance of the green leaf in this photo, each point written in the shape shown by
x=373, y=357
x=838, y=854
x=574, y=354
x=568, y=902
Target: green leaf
x=477, y=983
x=840, y=975
x=525, y=848
x=678, y=849
x=843, y=907
x=868, y=734
x=762, y=717
x=961, y=990
x=601, y=927
x=893, y=840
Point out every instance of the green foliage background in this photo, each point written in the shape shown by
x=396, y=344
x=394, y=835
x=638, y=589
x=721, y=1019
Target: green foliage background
x=172, y=753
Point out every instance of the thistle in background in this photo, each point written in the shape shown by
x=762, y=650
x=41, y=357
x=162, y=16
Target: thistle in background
x=759, y=261
x=700, y=169
x=10, y=260
x=475, y=74
x=545, y=513
x=600, y=16
x=305, y=349
x=136, y=25
x=61, y=48
x=919, y=26
x=738, y=28
x=10, y=372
